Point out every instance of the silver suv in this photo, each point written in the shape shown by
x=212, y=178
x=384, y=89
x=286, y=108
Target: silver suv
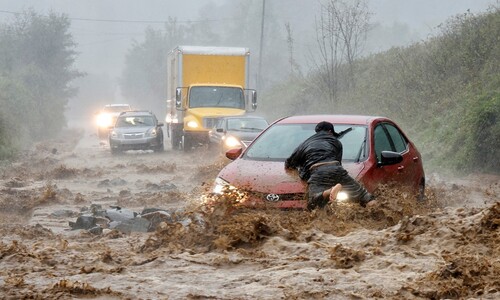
x=136, y=130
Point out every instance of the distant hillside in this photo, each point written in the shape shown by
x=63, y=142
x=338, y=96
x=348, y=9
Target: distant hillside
x=445, y=92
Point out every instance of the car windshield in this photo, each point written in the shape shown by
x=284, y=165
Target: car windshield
x=246, y=124
x=280, y=140
x=135, y=121
x=210, y=96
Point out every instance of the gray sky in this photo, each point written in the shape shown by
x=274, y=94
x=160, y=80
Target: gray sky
x=102, y=43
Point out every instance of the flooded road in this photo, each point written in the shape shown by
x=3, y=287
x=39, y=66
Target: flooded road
x=447, y=247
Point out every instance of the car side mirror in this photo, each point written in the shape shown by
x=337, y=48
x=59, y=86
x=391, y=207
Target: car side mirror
x=234, y=153
x=160, y=124
x=389, y=158
x=178, y=97
x=254, y=100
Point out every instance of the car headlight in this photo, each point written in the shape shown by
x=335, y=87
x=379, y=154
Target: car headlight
x=342, y=196
x=113, y=134
x=232, y=142
x=104, y=120
x=192, y=124
x=223, y=190
x=220, y=185
x=153, y=132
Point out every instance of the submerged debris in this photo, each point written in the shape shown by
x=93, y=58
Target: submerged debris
x=95, y=219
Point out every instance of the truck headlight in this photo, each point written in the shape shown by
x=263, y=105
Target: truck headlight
x=232, y=142
x=192, y=124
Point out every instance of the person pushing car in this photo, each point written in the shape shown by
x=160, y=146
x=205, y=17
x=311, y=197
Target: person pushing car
x=319, y=162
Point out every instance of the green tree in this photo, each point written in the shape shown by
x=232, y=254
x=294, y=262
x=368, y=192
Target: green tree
x=36, y=68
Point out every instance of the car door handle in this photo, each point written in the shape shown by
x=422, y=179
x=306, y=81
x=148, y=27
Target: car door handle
x=401, y=168
x=416, y=158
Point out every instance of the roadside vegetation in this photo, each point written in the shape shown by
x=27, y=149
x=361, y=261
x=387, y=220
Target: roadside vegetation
x=444, y=91
x=36, y=68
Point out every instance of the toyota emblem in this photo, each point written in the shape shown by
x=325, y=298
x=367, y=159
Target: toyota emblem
x=272, y=197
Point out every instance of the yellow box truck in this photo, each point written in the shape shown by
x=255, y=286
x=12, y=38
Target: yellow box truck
x=204, y=83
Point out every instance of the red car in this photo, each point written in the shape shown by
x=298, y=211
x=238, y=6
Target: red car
x=376, y=151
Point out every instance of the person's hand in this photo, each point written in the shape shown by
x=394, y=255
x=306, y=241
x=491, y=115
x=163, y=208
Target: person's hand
x=372, y=203
x=291, y=172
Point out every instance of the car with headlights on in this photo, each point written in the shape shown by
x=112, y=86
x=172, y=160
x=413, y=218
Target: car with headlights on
x=136, y=130
x=107, y=116
x=236, y=131
x=376, y=151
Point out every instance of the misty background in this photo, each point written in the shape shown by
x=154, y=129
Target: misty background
x=106, y=30
x=431, y=66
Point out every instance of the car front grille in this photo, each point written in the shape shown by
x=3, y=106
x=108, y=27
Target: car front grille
x=281, y=197
x=131, y=136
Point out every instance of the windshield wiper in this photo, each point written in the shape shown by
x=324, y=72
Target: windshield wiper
x=251, y=128
x=220, y=99
x=358, y=157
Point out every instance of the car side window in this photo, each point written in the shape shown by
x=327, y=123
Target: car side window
x=398, y=139
x=382, y=142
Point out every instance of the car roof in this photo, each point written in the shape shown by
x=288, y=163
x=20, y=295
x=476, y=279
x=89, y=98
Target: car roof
x=116, y=105
x=336, y=119
x=242, y=117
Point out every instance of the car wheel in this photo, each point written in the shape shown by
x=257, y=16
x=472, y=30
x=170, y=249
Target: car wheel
x=102, y=134
x=421, y=190
x=115, y=151
x=160, y=148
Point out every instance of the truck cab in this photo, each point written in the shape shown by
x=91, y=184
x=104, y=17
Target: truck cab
x=205, y=83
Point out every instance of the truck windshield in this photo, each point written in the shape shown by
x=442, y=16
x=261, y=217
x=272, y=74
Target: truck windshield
x=211, y=96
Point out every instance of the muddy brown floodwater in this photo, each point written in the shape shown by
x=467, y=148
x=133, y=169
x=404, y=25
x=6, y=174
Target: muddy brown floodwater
x=447, y=247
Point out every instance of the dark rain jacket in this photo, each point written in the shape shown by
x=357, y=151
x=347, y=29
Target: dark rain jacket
x=320, y=147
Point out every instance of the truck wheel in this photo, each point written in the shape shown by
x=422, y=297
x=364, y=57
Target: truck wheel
x=187, y=143
x=160, y=148
x=175, y=138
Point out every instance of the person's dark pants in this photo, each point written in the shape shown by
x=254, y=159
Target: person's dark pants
x=325, y=177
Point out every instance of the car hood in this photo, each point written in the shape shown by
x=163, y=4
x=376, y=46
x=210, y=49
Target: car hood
x=270, y=176
x=137, y=129
x=244, y=135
